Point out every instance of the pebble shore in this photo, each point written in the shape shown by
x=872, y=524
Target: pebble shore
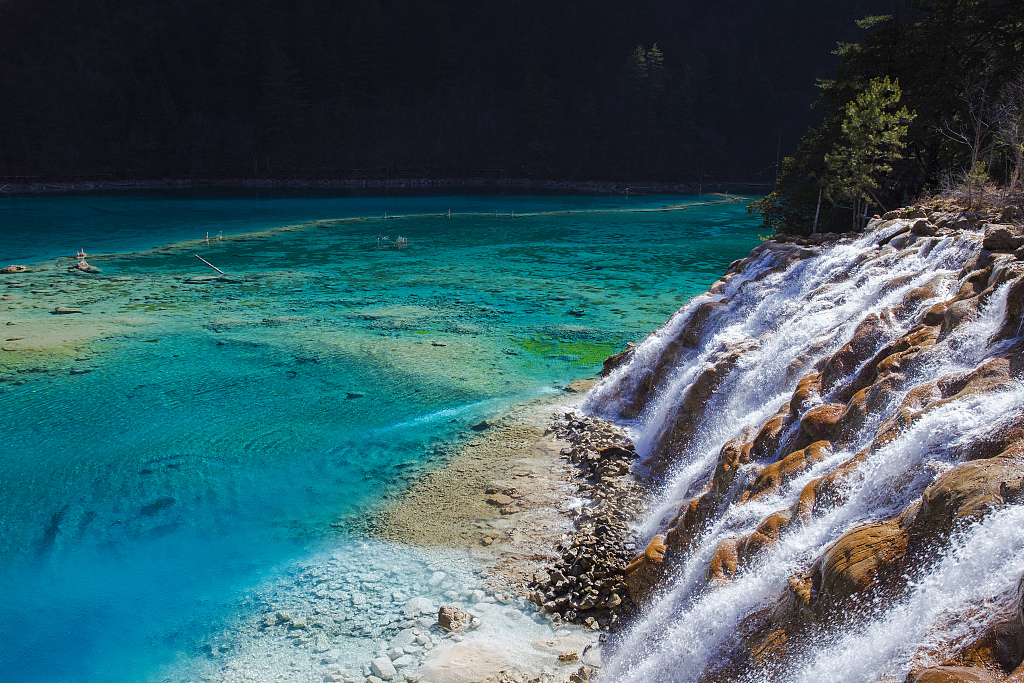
x=532, y=507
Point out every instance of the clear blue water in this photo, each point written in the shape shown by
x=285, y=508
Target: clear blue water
x=223, y=428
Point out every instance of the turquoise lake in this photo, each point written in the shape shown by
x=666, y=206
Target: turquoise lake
x=192, y=436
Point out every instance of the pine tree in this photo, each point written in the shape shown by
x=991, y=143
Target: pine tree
x=873, y=132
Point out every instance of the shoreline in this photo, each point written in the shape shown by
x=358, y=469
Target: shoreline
x=502, y=497
x=477, y=559
x=555, y=186
x=505, y=499
x=543, y=499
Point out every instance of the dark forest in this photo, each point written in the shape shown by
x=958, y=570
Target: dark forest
x=656, y=90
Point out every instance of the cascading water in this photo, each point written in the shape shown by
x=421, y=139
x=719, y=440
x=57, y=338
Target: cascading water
x=836, y=430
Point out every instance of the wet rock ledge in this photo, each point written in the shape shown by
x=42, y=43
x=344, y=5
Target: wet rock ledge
x=585, y=586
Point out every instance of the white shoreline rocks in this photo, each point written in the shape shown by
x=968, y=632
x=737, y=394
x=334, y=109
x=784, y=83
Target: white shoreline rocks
x=370, y=613
x=391, y=610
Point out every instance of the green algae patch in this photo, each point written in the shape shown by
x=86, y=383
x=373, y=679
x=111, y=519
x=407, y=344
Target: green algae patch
x=578, y=352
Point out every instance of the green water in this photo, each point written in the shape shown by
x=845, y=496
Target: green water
x=214, y=429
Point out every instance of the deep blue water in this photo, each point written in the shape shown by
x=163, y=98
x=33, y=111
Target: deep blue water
x=224, y=428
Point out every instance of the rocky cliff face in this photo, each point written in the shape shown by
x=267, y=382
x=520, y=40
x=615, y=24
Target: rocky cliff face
x=837, y=430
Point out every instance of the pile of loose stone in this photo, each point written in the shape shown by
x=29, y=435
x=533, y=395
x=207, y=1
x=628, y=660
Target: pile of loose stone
x=363, y=615
x=586, y=585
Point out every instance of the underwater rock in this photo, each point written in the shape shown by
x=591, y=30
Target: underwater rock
x=383, y=668
x=8, y=270
x=84, y=267
x=580, y=386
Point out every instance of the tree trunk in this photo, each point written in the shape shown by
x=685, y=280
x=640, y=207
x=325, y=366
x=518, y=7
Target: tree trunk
x=817, y=210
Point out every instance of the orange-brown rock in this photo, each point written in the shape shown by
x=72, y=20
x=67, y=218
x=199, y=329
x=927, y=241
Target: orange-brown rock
x=769, y=438
x=896, y=356
x=1006, y=440
x=909, y=411
x=936, y=313
x=829, y=490
x=953, y=674
x=773, y=477
x=1013, y=318
x=974, y=277
x=693, y=333
x=818, y=423
x=689, y=522
x=965, y=494
x=807, y=394
x=923, y=227
x=614, y=361
x=868, y=336
x=849, y=566
x=765, y=536
x=999, y=645
x=1002, y=237
x=676, y=435
x=644, y=573
x=733, y=454
x=957, y=313
x=723, y=564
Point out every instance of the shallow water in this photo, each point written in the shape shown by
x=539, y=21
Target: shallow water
x=228, y=429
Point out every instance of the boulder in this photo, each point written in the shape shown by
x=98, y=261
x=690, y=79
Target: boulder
x=772, y=478
x=765, y=536
x=868, y=336
x=65, y=310
x=13, y=269
x=693, y=333
x=851, y=564
x=644, y=573
x=1002, y=237
x=418, y=606
x=679, y=429
x=922, y=227
x=580, y=386
x=965, y=494
x=723, y=564
x=938, y=286
x=807, y=394
x=732, y=455
x=383, y=668
x=452, y=619
x=818, y=423
x=613, y=362
x=769, y=438
x=1013, y=318
x=953, y=674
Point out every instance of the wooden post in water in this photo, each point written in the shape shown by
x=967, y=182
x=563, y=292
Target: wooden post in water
x=210, y=264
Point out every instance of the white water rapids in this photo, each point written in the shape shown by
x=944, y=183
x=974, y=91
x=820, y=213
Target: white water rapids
x=808, y=310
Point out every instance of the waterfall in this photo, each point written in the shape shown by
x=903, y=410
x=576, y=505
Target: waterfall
x=835, y=430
